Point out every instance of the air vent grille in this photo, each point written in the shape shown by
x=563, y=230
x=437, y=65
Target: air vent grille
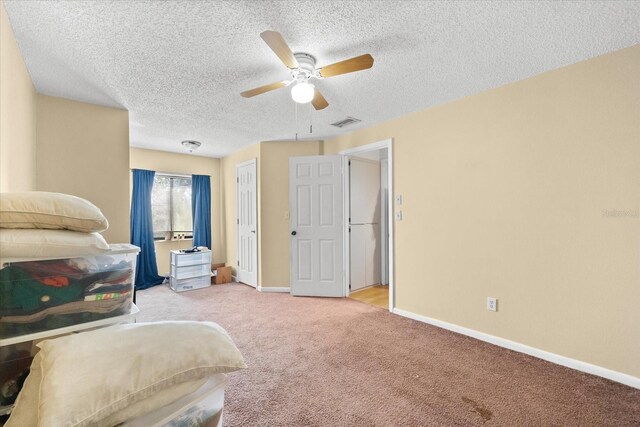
x=346, y=122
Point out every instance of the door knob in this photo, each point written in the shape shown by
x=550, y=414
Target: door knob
x=253, y=231
x=293, y=233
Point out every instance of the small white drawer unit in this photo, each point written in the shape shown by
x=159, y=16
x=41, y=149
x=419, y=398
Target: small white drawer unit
x=190, y=270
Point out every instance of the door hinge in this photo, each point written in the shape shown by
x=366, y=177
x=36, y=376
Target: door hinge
x=237, y=179
x=349, y=162
x=349, y=229
x=349, y=286
x=238, y=221
x=238, y=263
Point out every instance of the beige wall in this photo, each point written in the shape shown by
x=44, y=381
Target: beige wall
x=274, y=177
x=162, y=161
x=17, y=115
x=273, y=203
x=504, y=195
x=83, y=149
x=228, y=177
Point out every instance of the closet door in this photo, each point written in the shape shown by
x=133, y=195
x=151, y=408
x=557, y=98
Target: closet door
x=364, y=214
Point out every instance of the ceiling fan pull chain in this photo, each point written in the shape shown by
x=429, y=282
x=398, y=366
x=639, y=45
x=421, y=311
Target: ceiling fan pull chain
x=310, y=120
x=296, y=121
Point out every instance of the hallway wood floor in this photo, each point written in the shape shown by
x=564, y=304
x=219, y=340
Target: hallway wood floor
x=377, y=295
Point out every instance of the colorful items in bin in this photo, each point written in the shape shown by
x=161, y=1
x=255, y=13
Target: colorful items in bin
x=23, y=293
x=56, y=293
x=106, y=296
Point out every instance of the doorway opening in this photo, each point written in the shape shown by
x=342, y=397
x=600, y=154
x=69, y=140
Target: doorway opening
x=368, y=209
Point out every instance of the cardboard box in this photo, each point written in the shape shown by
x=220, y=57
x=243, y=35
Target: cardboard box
x=222, y=275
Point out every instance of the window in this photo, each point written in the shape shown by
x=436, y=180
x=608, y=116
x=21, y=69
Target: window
x=171, y=206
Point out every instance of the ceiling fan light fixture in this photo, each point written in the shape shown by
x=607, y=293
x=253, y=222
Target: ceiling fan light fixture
x=303, y=92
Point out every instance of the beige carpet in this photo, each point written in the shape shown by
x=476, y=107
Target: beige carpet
x=339, y=362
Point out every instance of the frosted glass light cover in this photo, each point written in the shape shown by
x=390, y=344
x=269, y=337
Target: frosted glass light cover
x=303, y=92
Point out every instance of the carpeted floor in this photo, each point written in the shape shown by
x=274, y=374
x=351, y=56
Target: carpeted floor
x=339, y=362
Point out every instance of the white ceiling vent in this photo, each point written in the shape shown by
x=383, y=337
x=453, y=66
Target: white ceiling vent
x=346, y=122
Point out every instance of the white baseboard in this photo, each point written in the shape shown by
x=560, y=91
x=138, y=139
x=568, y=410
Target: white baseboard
x=274, y=289
x=578, y=365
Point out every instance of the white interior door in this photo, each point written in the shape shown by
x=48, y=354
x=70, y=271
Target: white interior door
x=316, y=226
x=247, y=196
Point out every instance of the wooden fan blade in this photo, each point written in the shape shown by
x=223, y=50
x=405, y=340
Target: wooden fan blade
x=280, y=47
x=318, y=101
x=358, y=63
x=263, y=89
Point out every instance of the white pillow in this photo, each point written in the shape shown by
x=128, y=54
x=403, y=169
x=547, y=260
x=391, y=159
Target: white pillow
x=26, y=412
x=90, y=376
x=57, y=211
x=34, y=243
x=151, y=404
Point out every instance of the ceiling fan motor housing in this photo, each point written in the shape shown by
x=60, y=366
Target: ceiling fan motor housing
x=306, y=69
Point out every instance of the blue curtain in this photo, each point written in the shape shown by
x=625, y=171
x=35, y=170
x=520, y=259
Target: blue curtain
x=142, y=230
x=201, y=210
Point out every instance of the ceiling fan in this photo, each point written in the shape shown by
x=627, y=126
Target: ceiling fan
x=303, y=68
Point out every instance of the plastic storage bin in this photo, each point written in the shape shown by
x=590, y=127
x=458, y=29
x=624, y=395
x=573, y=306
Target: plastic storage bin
x=16, y=354
x=15, y=361
x=41, y=295
x=190, y=271
x=182, y=259
x=180, y=285
x=203, y=407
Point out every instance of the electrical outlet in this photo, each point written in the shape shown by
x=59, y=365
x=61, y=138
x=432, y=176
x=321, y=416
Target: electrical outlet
x=399, y=216
x=492, y=304
x=398, y=199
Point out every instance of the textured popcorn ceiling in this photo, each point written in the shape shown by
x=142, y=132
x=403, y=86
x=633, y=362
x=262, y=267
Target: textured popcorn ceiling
x=179, y=67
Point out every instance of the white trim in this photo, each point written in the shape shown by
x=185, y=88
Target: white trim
x=346, y=239
x=384, y=225
x=388, y=144
x=578, y=365
x=385, y=143
x=274, y=289
x=249, y=162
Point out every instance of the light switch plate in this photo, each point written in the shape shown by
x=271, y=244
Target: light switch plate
x=398, y=199
x=399, y=216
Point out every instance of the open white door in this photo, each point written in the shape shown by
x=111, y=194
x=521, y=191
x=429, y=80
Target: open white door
x=316, y=226
x=247, y=271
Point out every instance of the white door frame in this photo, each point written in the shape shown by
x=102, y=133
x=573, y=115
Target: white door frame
x=238, y=166
x=388, y=144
